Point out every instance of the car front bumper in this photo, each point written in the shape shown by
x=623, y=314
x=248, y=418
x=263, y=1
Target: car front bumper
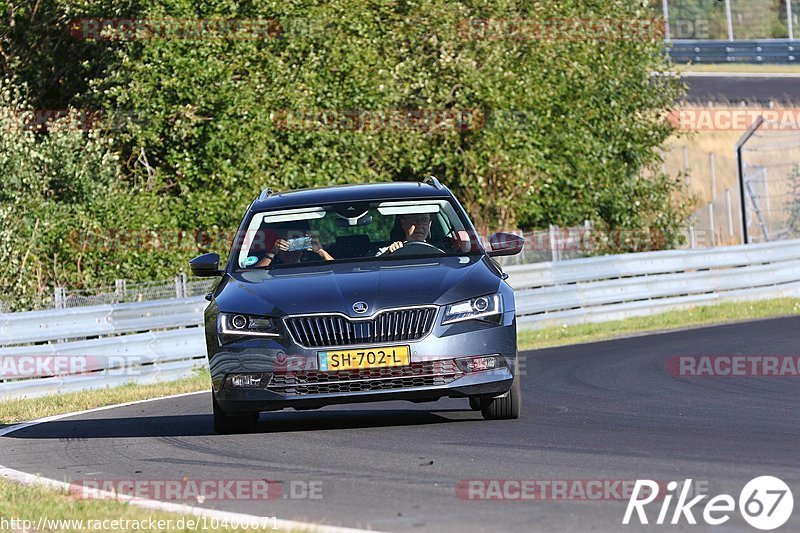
x=281, y=357
x=234, y=400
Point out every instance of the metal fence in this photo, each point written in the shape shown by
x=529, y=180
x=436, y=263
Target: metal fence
x=553, y=244
x=728, y=19
x=760, y=51
x=771, y=184
x=162, y=339
x=730, y=31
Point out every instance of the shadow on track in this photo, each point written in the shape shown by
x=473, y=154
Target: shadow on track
x=275, y=422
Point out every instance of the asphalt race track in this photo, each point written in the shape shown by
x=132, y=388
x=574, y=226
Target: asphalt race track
x=602, y=411
x=736, y=89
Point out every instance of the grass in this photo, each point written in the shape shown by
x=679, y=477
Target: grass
x=22, y=502
x=671, y=320
x=20, y=410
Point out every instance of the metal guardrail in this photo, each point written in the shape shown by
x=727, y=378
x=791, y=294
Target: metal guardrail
x=163, y=340
x=739, y=51
x=621, y=286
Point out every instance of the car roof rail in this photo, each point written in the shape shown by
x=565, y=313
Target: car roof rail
x=266, y=193
x=431, y=180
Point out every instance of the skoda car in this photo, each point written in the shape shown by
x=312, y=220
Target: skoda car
x=359, y=293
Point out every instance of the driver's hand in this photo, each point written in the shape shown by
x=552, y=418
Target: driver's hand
x=395, y=246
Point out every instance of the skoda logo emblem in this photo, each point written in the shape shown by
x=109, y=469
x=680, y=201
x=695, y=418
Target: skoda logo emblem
x=360, y=307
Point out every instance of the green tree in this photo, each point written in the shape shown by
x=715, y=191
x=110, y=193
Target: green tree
x=571, y=120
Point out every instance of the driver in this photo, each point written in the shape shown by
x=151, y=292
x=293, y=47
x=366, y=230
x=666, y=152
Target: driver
x=416, y=228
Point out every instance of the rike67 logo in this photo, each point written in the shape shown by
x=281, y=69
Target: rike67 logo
x=765, y=503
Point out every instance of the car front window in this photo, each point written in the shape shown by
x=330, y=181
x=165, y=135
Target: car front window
x=355, y=231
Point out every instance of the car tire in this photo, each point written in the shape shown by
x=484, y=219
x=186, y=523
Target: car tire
x=475, y=403
x=228, y=425
x=506, y=407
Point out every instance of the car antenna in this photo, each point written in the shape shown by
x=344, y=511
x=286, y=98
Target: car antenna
x=433, y=181
x=266, y=193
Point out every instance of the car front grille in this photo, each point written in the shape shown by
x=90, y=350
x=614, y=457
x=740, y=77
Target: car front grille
x=314, y=331
x=307, y=382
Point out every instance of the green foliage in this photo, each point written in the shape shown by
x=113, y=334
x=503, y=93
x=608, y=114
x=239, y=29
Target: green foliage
x=63, y=202
x=569, y=123
x=556, y=130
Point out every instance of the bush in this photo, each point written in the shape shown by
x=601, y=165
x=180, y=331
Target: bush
x=528, y=131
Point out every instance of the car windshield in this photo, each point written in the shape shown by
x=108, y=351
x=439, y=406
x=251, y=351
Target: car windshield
x=362, y=231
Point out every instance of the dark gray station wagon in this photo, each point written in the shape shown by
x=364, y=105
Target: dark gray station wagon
x=359, y=293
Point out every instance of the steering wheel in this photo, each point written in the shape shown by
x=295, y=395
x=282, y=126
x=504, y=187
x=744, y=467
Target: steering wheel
x=414, y=248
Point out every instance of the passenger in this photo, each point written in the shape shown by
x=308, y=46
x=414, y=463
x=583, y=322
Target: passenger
x=280, y=252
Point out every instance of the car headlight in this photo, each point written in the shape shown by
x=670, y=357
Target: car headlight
x=487, y=308
x=238, y=325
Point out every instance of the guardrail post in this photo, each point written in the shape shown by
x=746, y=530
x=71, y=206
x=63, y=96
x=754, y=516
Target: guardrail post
x=180, y=285
x=59, y=297
x=692, y=242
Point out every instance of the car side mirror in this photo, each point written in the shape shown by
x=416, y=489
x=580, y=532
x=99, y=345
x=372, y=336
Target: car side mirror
x=505, y=244
x=205, y=266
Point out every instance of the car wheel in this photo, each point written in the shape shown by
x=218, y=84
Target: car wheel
x=474, y=403
x=226, y=425
x=506, y=407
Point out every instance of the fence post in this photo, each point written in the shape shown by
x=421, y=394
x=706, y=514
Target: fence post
x=119, y=289
x=711, y=223
x=520, y=256
x=729, y=19
x=730, y=211
x=686, y=163
x=180, y=285
x=60, y=297
x=713, y=168
x=586, y=240
x=665, y=7
x=553, y=243
x=692, y=243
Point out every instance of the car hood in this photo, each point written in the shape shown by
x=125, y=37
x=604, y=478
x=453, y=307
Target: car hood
x=337, y=286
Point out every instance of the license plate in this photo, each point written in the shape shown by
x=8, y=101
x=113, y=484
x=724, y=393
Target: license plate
x=364, y=358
